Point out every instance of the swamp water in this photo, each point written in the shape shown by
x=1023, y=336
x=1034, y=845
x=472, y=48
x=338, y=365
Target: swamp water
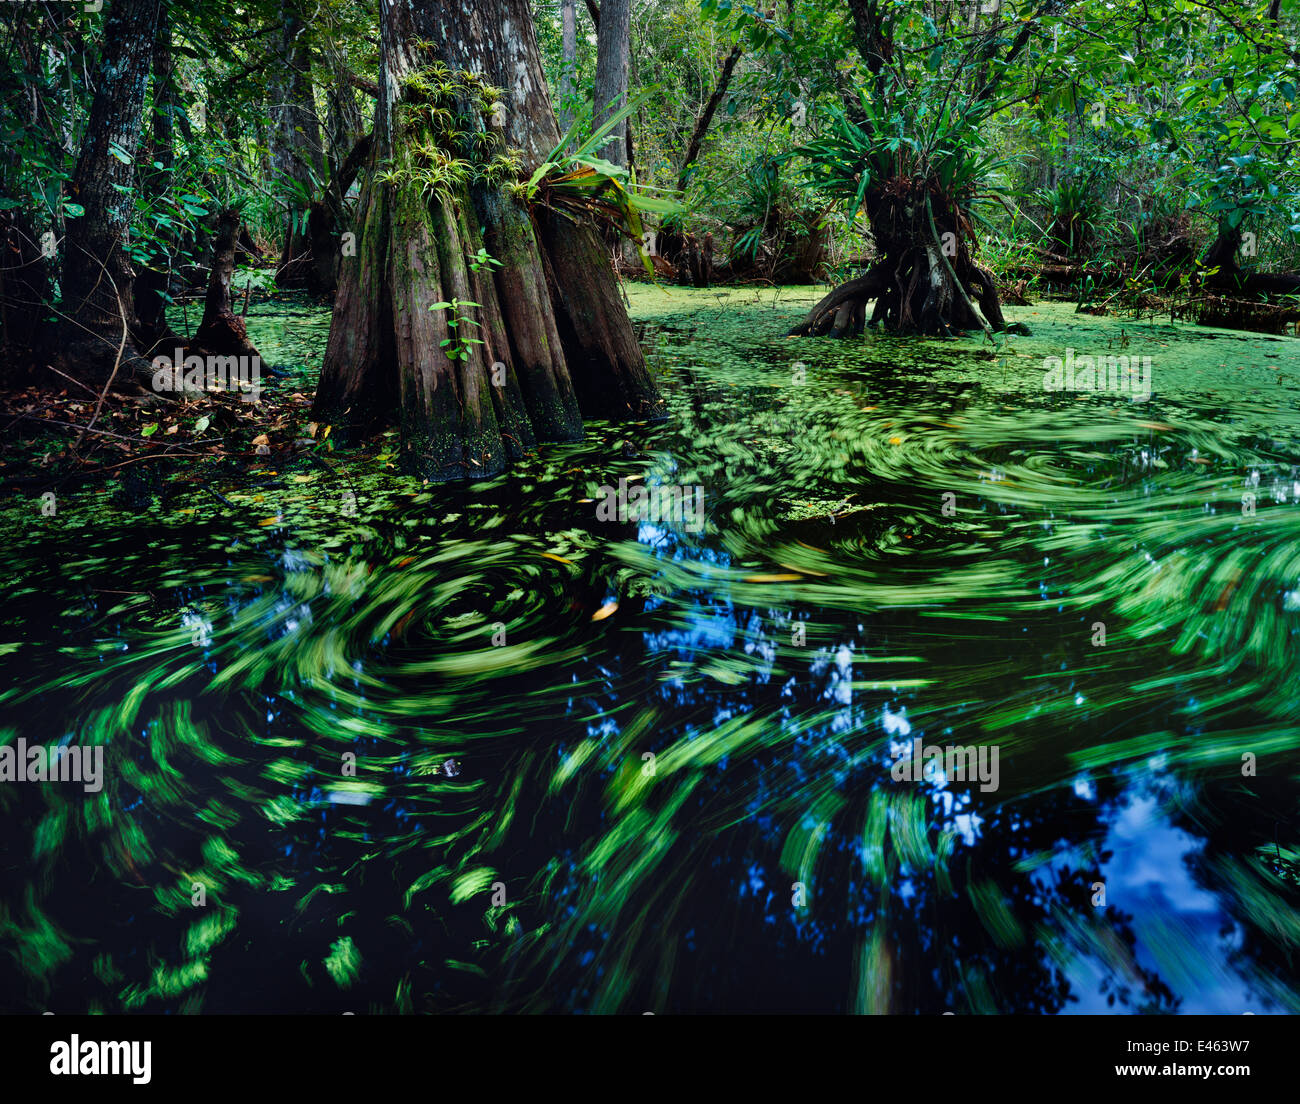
x=675, y=749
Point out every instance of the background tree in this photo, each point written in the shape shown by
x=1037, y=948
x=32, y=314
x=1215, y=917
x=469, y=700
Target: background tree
x=914, y=160
x=297, y=153
x=613, y=43
x=93, y=339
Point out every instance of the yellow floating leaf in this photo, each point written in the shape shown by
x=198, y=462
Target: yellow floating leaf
x=604, y=611
x=806, y=570
x=558, y=559
x=772, y=578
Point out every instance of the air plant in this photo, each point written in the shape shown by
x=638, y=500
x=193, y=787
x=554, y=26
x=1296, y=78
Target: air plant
x=580, y=185
x=850, y=160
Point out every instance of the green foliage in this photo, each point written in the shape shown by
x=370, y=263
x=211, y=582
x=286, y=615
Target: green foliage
x=579, y=184
x=1074, y=210
x=850, y=158
x=458, y=345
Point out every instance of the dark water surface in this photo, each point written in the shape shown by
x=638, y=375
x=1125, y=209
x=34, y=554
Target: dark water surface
x=902, y=541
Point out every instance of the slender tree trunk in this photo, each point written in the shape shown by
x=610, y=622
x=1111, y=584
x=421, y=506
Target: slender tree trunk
x=330, y=218
x=25, y=289
x=706, y=117
x=349, y=147
x=476, y=359
x=613, y=46
x=297, y=154
x=593, y=9
x=345, y=123
x=26, y=271
x=151, y=286
x=569, y=78
x=93, y=339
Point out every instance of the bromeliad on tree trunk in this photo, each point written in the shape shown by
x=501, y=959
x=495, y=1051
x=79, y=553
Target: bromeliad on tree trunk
x=462, y=122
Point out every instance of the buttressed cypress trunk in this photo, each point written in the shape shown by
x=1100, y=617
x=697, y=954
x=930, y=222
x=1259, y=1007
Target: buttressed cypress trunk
x=512, y=353
x=93, y=338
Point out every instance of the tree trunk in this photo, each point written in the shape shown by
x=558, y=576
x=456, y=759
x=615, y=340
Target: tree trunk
x=25, y=290
x=926, y=279
x=593, y=9
x=492, y=370
x=1221, y=253
x=93, y=340
x=329, y=219
x=152, y=284
x=1236, y=307
x=569, y=78
x=345, y=123
x=297, y=157
x=706, y=117
x=222, y=332
x=613, y=44
x=26, y=270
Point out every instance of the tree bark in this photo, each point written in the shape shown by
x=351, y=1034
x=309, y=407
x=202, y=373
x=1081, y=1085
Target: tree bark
x=329, y=218
x=927, y=281
x=344, y=122
x=1230, y=277
x=93, y=339
x=297, y=156
x=569, y=42
x=613, y=45
x=152, y=284
x=222, y=332
x=25, y=290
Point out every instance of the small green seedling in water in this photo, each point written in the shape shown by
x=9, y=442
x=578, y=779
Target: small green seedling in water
x=457, y=346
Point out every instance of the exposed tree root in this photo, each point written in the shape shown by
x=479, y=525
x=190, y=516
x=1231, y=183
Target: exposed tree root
x=926, y=281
